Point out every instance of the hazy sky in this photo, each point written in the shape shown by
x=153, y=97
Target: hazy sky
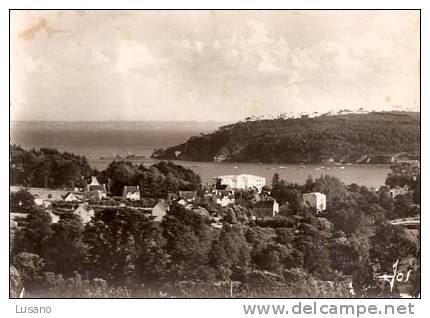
x=210, y=65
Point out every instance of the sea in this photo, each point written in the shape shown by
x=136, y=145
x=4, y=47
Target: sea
x=101, y=141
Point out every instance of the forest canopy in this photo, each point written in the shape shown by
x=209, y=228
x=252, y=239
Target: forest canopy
x=363, y=138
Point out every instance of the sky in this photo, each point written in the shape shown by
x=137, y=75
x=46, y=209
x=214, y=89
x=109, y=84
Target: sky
x=211, y=65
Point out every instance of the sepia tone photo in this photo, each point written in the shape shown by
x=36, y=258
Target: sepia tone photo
x=215, y=154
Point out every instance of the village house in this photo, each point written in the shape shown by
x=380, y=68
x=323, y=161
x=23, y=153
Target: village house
x=315, y=200
x=96, y=189
x=85, y=212
x=188, y=196
x=398, y=191
x=185, y=204
x=72, y=197
x=42, y=203
x=243, y=181
x=131, y=193
x=159, y=210
x=265, y=209
x=54, y=217
x=223, y=197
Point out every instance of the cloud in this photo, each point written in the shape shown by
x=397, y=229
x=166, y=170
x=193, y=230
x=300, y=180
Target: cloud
x=227, y=65
x=134, y=56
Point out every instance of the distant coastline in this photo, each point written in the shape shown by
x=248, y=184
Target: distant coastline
x=375, y=137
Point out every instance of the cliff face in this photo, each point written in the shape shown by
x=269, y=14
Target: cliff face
x=362, y=138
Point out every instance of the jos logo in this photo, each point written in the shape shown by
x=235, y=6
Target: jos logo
x=399, y=277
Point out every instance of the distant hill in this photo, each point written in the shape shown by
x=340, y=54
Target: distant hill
x=376, y=137
x=196, y=126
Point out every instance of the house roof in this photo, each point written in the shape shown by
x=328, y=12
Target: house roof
x=187, y=194
x=264, y=204
x=96, y=187
x=132, y=189
x=83, y=208
x=71, y=194
x=223, y=193
x=94, y=181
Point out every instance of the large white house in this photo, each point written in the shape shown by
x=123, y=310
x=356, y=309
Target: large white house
x=315, y=200
x=242, y=181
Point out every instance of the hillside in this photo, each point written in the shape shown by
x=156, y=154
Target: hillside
x=362, y=138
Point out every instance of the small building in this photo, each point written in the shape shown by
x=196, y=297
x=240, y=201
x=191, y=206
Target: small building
x=223, y=197
x=71, y=197
x=85, y=212
x=315, y=200
x=131, y=193
x=188, y=196
x=265, y=209
x=54, y=217
x=42, y=203
x=242, y=181
x=159, y=210
x=95, y=195
x=398, y=191
x=95, y=186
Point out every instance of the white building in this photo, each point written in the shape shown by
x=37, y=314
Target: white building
x=265, y=209
x=316, y=200
x=97, y=188
x=243, y=181
x=71, y=197
x=394, y=192
x=85, y=212
x=159, y=210
x=223, y=197
x=131, y=193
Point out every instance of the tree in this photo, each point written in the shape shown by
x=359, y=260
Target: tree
x=347, y=218
x=274, y=257
x=188, y=242
x=230, y=251
x=22, y=201
x=348, y=254
x=391, y=243
x=111, y=248
x=35, y=236
x=331, y=186
x=47, y=167
x=30, y=267
x=310, y=242
x=403, y=174
x=309, y=184
x=284, y=192
x=66, y=251
x=120, y=174
x=151, y=261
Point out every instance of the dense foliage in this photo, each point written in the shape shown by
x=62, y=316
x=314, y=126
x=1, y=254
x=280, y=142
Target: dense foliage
x=47, y=168
x=155, y=181
x=374, y=137
x=123, y=252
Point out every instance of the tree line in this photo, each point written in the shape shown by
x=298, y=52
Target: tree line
x=374, y=137
x=124, y=253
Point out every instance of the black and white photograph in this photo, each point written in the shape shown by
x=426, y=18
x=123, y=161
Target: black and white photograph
x=214, y=154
